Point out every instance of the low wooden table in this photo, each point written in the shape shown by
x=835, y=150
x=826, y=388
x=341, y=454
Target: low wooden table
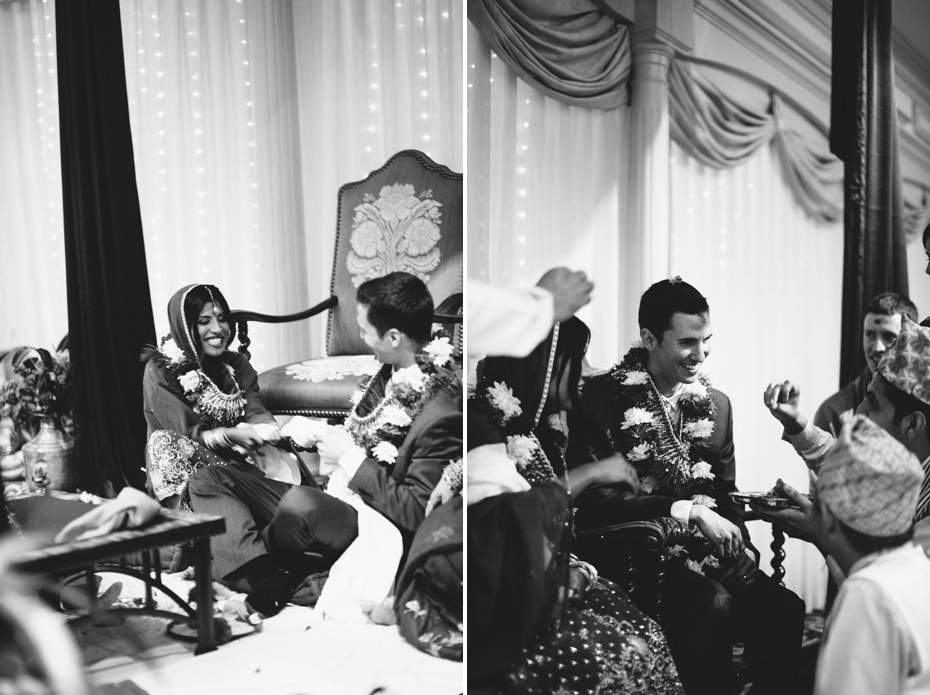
x=42, y=515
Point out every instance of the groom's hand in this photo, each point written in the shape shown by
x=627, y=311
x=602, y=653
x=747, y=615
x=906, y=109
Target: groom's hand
x=723, y=534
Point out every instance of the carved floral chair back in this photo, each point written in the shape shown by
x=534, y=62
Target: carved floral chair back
x=405, y=216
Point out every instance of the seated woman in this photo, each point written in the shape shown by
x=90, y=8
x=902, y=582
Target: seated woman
x=202, y=403
x=539, y=621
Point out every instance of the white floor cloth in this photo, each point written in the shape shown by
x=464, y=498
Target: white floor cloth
x=295, y=652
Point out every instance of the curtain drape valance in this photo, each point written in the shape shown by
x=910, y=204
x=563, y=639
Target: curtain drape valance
x=720, y=132
x=570, y=50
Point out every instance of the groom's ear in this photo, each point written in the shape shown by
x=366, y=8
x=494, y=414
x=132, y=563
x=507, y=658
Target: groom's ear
x=395, y=337
x=648, y=338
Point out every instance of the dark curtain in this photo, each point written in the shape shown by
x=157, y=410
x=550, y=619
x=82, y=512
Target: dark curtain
x=109, y=305
x=863, y=133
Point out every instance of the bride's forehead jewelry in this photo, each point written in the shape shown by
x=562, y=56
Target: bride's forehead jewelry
x=216, y=307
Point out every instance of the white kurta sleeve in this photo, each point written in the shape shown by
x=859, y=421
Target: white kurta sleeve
x=506, y=321
x=812, y=444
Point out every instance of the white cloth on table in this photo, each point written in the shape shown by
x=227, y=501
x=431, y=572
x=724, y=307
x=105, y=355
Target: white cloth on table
x=131, y=508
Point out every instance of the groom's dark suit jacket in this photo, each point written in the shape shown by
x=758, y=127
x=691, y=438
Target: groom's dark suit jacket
x=592, y=424
x=434, y=439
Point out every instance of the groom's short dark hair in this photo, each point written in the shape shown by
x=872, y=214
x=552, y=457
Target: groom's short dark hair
x=398, y=300
x=666, y=298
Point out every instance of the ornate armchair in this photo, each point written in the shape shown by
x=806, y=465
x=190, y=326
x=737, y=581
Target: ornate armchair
x=634, y=554
x=407, y=216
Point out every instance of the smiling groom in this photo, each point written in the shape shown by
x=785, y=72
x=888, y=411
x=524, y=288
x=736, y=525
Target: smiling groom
x=658, y=409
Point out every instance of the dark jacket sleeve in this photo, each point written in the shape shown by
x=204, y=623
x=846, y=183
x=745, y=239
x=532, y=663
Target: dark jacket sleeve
x=588, y=427
x=167, y=410
x=430, y=445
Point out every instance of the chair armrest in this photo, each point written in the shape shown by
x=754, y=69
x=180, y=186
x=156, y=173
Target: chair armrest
x=449, y=310
x=240, y=315
x=240, y=318
x=635, y=555
x=653, y=535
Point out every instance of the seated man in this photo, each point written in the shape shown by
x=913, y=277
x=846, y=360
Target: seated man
x=406, y=427
x=897, y=400
x=877, y=639
x=657, y=409
x=880, y=326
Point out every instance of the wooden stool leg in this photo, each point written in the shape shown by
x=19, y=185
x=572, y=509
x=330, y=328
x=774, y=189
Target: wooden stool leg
x=206, y=640
x=147, y=571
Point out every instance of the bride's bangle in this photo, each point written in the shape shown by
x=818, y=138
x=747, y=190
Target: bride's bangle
x=586, y=568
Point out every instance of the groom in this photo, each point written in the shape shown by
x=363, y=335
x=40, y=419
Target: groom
x=398, y=438
x=658, y=410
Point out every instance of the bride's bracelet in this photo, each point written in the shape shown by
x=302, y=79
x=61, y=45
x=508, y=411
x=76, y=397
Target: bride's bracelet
x=453, y=476
x=586, y=568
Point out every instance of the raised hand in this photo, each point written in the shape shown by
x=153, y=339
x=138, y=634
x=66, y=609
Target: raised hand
x=782, y=401
x=570, y=290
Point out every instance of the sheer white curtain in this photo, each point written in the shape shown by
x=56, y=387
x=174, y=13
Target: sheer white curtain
x=33, y=298
x=375, y=78
x=247, y=117
x=545, y=187
x=773, y=278
x=212, y=102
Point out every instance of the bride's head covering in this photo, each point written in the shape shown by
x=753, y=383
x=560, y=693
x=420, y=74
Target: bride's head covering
x=530, y=377
x=184, y=309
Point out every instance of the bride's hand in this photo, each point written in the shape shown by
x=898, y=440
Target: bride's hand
x=615, y=470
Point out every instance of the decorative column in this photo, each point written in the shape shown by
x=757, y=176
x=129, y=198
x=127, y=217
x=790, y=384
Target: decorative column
x=660, y=29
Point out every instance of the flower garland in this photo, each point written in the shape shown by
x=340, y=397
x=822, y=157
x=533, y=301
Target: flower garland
x=215, y=407
x=383, y=429
x=668, y=462
x=523, y=447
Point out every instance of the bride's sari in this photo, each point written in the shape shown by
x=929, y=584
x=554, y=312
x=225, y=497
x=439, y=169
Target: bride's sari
x=525, y=634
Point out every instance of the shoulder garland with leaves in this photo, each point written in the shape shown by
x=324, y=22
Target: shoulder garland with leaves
x=497, y=401
x=384, y=428
x=187, y=380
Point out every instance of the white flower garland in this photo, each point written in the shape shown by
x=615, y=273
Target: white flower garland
x=215, y=407
x=385, y=427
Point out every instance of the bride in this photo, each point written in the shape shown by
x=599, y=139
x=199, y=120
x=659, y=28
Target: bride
x=539, y=620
